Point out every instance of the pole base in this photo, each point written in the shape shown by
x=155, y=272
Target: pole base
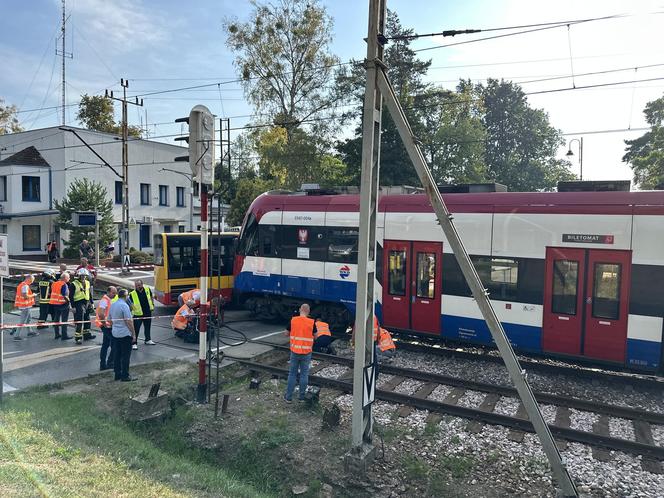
x=359, y=458
x=201, y=393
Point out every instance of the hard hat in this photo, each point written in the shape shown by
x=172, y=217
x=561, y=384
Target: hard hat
x=49, y=273
x=82, y=272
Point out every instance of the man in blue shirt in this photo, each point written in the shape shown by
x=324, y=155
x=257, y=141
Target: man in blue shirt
x=123, y=336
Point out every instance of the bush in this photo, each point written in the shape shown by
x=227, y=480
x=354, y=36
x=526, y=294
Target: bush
x=70, y=253
x=140, y=257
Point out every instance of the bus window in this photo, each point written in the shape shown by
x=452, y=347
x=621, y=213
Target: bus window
x=158, y=250
x=183, y=256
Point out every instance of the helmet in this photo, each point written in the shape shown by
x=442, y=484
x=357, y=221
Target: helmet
x=49, y=273
x=82, y=272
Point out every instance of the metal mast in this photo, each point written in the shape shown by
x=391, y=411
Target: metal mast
x=64, y=55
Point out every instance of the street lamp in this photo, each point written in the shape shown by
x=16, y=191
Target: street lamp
x=570, y=153
x=191, y=194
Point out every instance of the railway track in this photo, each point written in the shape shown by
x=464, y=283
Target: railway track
x=599, y=437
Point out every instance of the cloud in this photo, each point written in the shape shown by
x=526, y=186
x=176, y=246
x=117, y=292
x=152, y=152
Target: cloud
x=122, y=25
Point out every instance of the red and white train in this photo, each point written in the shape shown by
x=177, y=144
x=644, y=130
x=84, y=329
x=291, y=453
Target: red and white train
x=574, y=274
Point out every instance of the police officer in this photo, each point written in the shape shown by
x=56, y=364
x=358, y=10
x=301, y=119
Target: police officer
x=83, y=304
x=45, y=309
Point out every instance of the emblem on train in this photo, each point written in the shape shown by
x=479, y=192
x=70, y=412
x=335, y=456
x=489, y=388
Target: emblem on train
x=344, y=271
x=303, y=235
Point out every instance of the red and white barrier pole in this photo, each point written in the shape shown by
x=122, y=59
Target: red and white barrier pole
x=202, y=325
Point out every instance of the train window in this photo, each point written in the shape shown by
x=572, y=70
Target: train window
x=268, y=243
x=379, y=263
x=426, y=275
x=249, y=237
x=342, y=244
x=565, y=286
x=305, y=243
x=499, y=275
x=158, y=250
x=606, y=290
x=397, y=273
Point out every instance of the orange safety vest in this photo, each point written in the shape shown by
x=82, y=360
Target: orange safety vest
x=322, y=328
x=24, y=301
x=105, y=323
x=181, y=318
x=301, y=335
x=386, y=343
x=56, y=293
x=376, y=329
x=189, y=295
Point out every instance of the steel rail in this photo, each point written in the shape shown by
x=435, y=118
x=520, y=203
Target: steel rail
x=573, y=435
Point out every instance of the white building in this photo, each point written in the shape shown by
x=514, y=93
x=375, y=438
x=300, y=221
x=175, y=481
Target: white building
x=37, y=167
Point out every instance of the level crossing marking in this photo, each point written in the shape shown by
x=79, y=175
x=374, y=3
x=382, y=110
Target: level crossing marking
x=43, y=356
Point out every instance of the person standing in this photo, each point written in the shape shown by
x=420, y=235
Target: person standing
x=52, y=251
x=45, y=284
x=85, y=249
x=24, y=301
x=122, y=330
x=60, y=305
x=105, y=325
x=301, y=343
x=142, y=306
x=83, y=304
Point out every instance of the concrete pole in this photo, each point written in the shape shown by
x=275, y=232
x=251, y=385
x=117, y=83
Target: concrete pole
x=97, y=239
x=204, y=309
x=124, y=246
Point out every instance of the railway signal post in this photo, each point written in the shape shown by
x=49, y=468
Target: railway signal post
x=201, y=161
x=377, y=88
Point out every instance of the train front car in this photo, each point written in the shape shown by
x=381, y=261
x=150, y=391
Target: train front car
x=570, y=274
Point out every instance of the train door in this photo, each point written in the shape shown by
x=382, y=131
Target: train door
x=586, y=302
x=412, y=286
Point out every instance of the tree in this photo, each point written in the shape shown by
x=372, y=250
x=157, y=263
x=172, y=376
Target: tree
x=97, y=113
x=645, y=154
x=521, y=144
x=282, y=53
x=86, y=195
x=8, y=120
x=247, y=191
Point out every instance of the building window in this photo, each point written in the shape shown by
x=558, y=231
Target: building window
x=145, y=194
x=3, y=228
x=163, y=195
x=179, y=193
x=31, y=188
x=118, y=192
x=32, y=237
x=146, y=236
x=181, y=228
x=168, y=228
x=3, y=188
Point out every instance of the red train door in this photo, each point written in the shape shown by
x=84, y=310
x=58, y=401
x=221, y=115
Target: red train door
x=563, y=300
x=396, y=288
x=412, y=285
x=607, y=301
x=586, y=298
x=426, y=291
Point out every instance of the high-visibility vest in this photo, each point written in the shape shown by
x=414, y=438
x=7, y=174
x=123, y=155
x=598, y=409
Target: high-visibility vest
x=22, y=301
x=322, y=328
x=301, y=335
x=104, y=312
x=385, y=343
x=45, y=291
x=56, y=293
x=376, y=329
x=181, y=318
x=136, y=309
x=193, y=294
x=81, y=292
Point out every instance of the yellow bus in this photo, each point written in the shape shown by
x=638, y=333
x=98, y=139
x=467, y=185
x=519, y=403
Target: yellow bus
x=177, y=265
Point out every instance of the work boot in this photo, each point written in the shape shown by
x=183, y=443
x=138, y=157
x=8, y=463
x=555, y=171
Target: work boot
x=65, y=337
x=79, y=341
x=88, y=337
x=102, y=366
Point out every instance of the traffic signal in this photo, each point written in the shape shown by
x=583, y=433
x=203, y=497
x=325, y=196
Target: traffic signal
x=201, y=144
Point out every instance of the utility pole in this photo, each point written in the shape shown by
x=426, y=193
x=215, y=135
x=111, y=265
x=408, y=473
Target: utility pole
x=124, y=237
x=65, y=55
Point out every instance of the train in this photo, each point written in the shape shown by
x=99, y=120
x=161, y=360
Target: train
x=575, y=275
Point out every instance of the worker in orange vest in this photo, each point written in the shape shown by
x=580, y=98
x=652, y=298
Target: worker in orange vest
x=183, y=318
x=60, y=305
x=24, y=301
x=301, y=332
x=386, y=347
x=193, y=294
x=322, y=337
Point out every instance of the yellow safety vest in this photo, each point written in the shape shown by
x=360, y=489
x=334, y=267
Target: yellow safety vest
x=136, y=309
x=81, y=292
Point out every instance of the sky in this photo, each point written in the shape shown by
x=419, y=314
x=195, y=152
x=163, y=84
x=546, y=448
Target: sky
x=168, y=45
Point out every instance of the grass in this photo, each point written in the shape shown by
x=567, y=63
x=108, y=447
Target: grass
x=64, y=446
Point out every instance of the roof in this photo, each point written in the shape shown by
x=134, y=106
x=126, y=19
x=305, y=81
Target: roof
x=26, y=157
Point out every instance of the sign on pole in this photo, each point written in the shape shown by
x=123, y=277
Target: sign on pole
x=369, y=389
x=4, y=256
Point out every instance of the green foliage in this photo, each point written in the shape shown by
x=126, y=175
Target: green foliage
x=645, y=154
x=415, y=469
x=136, y=256
x=86, y=195
x=247, y=191
x=282, y=53
x=97, y=113
x=8, y=120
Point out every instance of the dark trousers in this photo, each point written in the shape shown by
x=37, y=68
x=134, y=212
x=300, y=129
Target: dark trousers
x=106, y=358
x=81, y=312
x=45, y=309
x=61, y=314
x=146, y=323
x=121, y=354
x=322, y=343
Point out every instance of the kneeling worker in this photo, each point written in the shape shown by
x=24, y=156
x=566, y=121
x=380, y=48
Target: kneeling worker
x=322, y=337
x=183, y=318
x=193, y=294
x=386, y=347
